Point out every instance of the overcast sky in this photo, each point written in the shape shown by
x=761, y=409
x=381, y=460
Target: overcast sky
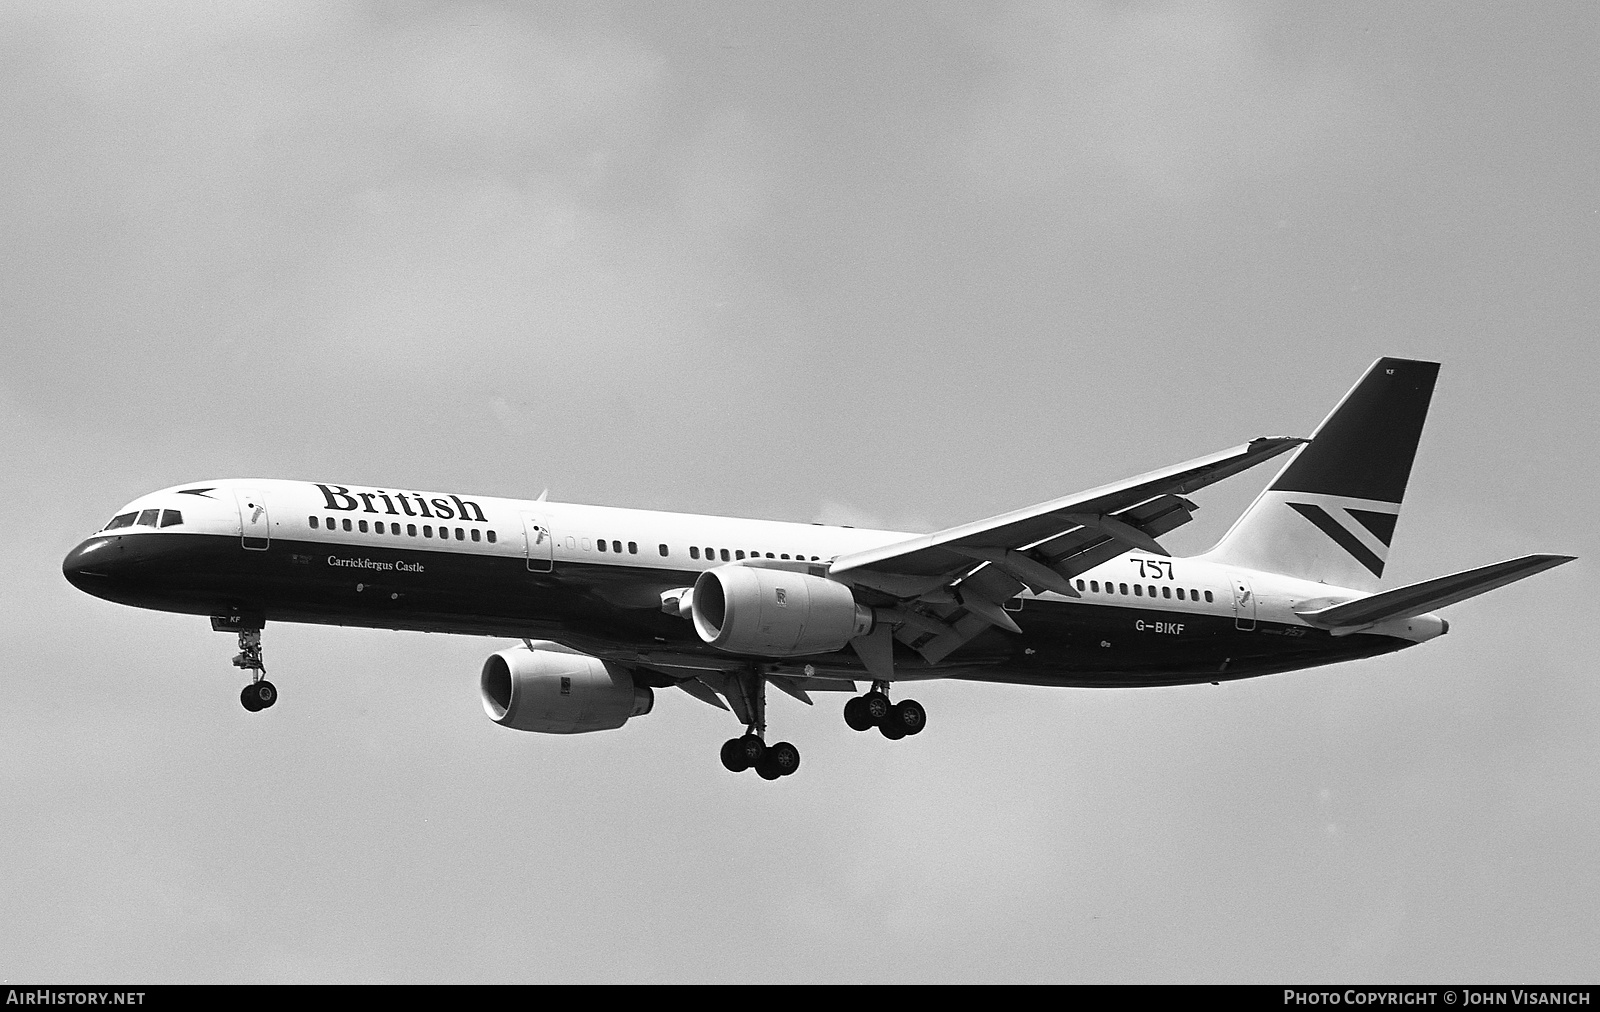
x=885, y=264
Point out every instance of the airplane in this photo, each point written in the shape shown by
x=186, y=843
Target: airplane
x=614, y=604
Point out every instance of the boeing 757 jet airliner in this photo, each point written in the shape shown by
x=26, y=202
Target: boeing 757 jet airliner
x=614, y=604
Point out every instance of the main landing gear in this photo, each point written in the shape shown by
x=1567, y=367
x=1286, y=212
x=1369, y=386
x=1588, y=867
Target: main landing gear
x=769, y=761
x=260, y=693
x=893, y=720
x=748, y=694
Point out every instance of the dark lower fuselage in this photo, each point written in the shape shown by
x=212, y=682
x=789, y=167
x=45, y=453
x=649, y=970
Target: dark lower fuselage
x=614, y=612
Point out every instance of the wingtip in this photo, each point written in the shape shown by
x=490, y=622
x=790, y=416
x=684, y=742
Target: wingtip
x=1275, y=444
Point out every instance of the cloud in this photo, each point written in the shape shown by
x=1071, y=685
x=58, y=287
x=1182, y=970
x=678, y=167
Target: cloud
x=1174, y=101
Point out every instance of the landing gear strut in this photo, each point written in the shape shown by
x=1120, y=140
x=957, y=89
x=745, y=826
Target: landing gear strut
x=260, y=693
x=893, y=720
x=750, y=750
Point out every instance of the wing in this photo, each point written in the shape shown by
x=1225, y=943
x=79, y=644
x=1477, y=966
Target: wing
x=950, y=586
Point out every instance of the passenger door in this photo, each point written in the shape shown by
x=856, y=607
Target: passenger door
x=1244, y=604
x=255, y=526
x=540, y=543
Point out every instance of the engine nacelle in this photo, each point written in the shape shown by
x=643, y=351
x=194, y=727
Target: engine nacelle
x=559, y=691
x=774, y=612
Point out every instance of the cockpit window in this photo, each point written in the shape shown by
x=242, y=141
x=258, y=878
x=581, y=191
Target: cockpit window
x=121, y=520
x=148, y=518
x=171, y=518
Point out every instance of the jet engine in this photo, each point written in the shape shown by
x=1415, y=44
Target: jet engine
x=775, y=612
x=559, y=691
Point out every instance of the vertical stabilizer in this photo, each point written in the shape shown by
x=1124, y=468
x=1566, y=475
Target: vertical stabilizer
x=1330, y=514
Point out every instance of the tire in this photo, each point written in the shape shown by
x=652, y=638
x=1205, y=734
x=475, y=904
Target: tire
x=266, y=693
x=752, y=748
x=247, y=699
x=891, y=729
x=766, y=769
x=784, y=758
x=855, y=714
x=733, y=756
x=912, y=717
x=876, y=706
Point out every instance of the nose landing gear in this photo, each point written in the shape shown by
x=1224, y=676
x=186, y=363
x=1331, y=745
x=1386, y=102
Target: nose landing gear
x=893, y=720
x=260, y=693
x=258, y=696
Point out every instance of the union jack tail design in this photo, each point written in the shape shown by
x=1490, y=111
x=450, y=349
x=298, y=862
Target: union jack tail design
x=1330, y=514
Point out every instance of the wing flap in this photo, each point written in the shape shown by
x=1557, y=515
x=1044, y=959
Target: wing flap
x=951, y=551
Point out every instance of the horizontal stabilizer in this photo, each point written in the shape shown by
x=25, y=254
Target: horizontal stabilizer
x=1407, y=602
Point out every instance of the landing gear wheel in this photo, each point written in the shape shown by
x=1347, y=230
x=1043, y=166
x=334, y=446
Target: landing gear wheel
x=910, y=715
x=751, y=749
x=766, y=770
x=855, y=714
x=876, y=706
x=733, y=755
x=783, y=758
x=258, y=695
x=891, y=729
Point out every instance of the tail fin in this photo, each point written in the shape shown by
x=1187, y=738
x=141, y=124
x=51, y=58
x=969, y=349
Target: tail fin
x=1330, y=514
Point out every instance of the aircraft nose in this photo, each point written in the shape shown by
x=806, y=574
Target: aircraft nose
x=92, y=565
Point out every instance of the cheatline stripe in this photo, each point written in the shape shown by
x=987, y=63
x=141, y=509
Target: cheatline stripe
x=1329, y=526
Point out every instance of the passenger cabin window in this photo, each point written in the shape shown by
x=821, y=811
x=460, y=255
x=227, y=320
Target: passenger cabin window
x=724, y=555
x=1094, y=585
x=427, y=530
x=616, y=546
x=1138, y=591
x=477, y=535
x=1124, y=587
x=738, y=553
x=633, y=548
x=663, y=551
x=347, y=525
x=491, y=537
x=121, y=520
x=377, y=525
x=694, y=551
x=363, y=525
x=411, y=529
x=1208, y=597
x=600, y=544
x=312, y=521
